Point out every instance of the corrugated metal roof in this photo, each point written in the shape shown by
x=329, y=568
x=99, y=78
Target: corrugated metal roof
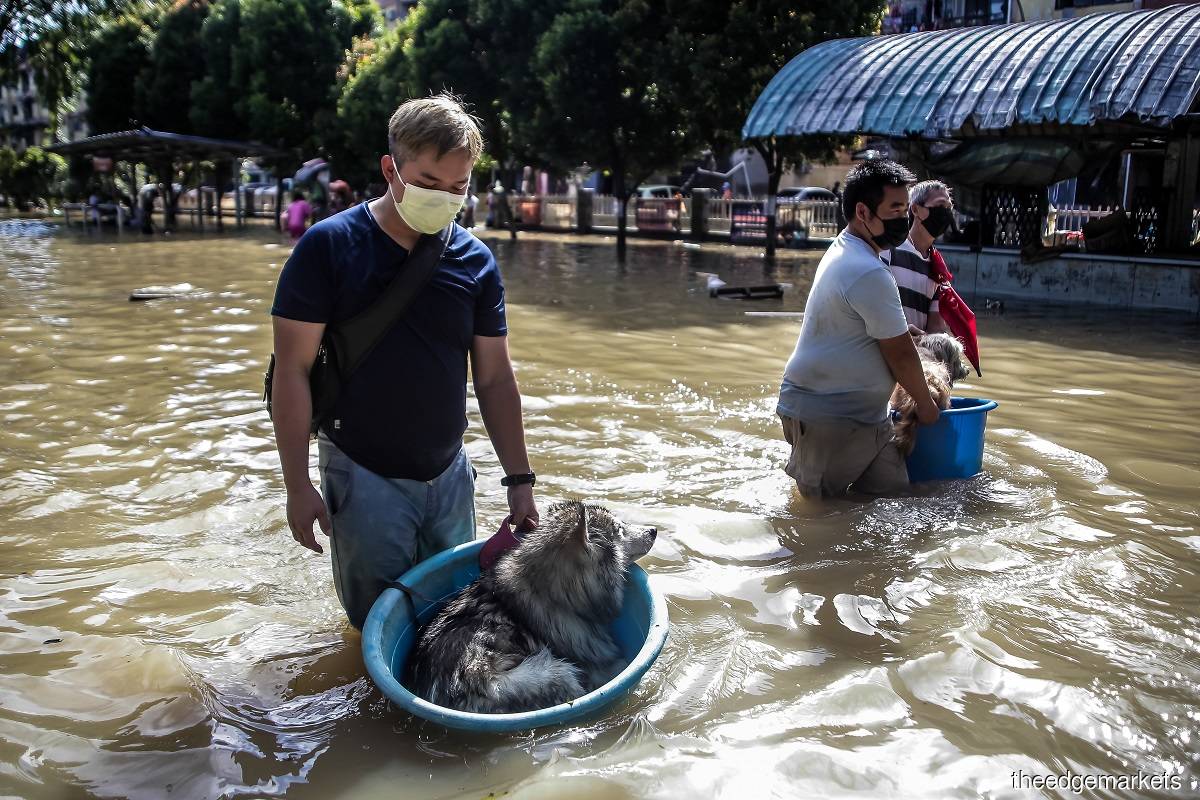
x=1141, y=66
x=144, y=142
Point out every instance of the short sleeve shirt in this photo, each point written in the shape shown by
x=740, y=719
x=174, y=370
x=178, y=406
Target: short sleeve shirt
x=837, y=370
x=402, y=413
x=918, y=289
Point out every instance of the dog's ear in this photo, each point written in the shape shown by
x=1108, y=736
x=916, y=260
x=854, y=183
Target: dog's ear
x=581, y=533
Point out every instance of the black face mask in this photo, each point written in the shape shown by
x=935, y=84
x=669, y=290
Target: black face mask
x=939, y=220
x=895, y=231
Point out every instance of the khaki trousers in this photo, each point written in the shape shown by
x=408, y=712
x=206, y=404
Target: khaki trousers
x=831, y=456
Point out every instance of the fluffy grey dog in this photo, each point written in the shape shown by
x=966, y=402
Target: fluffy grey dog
x=533, y=631
x=947, y=351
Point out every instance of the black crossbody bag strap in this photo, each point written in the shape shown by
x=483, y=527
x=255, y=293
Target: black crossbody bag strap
x=354, y=339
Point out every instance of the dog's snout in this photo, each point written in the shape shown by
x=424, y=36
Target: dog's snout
x=652, y=532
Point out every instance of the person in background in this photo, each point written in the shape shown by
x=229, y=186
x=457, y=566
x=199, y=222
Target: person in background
x=339, y=197
x=93, y=209
x=146, y=196
x=499, y=213
x=931, y=213
x=837, y=193
x=468, y=216
x=299, y=213
x=853, y=348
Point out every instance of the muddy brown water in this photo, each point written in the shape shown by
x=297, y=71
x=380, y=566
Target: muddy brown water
x=161, y=635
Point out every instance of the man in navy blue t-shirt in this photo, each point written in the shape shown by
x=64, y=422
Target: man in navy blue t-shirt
x=398, y=486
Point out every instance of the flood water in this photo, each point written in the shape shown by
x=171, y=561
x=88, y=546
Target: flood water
x=161, y=634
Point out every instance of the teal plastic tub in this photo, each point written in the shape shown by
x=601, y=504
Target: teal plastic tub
x=952, y=447
x=390, y=633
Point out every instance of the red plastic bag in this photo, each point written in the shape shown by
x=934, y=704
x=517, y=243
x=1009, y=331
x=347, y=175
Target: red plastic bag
x=959, y=318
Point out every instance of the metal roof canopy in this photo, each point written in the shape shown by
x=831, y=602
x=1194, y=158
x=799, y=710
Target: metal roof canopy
x=1130, y=71
x=147, y=145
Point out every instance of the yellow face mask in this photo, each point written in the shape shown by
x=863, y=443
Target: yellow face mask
x=426, y=210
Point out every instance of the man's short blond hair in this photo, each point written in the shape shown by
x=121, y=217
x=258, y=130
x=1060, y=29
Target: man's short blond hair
x=439, y=122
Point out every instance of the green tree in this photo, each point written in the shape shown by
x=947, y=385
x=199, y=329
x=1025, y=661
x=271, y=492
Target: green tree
x=176, y=61
x=8, y=162
x=50, y=37
x=376, y=83
x=215, y=110
x=286, y=67
x=612, y=95
x=286, y=64
x=33, y=176
x=366, y=20
x=735, y=49
x=116, y=59
x=481, y=50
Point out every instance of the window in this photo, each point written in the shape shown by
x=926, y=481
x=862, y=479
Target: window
x=1061, y=4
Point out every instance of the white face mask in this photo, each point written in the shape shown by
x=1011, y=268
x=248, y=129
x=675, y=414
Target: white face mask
x=426, y=210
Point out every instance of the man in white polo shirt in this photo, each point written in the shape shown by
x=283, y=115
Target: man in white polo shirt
x=854, y=347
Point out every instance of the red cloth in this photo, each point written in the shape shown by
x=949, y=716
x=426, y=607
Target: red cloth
x=499, y=543
x=959, y=318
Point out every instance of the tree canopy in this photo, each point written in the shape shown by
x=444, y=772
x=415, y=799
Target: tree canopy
x=117, y=58
x=375, y=84
x=176, y=62
x=31, y=176
x=631, y=87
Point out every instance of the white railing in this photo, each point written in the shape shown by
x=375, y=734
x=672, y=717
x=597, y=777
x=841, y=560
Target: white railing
x=1072, y=218
x=558, y=211
x=95, y=214
x=720, y=212
x=817, y=218
x=606, y=207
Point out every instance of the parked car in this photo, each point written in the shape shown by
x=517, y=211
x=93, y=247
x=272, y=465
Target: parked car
x=657, y=190
x=797, y=194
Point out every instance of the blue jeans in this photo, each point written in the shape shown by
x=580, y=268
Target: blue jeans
x=382, y=526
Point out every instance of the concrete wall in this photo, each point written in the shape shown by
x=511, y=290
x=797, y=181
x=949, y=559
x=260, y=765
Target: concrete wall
x=1124, y=282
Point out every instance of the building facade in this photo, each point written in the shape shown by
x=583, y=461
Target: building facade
x=907, y=16
x=395, y=10
x=26, y=122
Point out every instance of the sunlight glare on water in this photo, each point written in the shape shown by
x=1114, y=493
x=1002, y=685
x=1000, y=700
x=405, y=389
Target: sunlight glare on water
x=163, y=635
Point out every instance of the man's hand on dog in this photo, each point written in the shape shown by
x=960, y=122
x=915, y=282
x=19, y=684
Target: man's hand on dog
x=927, y=411
x=304, y=506
x=521, y=506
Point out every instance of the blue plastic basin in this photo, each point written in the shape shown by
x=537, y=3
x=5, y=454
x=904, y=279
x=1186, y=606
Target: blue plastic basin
x=390, y=633
x=952, y=447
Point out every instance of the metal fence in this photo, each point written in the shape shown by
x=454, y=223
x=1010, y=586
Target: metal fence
x=810, y=219
x=816, y=219
x=606, y=208
x=1073, y=218
x=558, y=212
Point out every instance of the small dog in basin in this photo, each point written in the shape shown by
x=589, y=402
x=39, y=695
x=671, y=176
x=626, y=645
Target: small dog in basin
x=947, y=351
x=943, y=362
x=533, y=631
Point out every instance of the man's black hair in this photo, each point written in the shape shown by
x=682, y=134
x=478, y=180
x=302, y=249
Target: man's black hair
x=866, y=181
x=297, y=195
